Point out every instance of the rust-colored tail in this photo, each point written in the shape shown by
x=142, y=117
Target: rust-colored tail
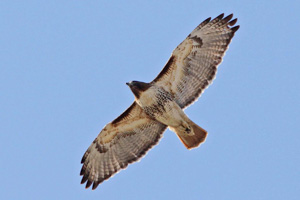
x=193, y=138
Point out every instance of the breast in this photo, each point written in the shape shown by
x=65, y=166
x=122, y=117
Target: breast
x=159, y=105
x=153, y=96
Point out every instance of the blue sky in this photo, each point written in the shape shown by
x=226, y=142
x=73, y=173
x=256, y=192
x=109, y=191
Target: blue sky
x=63, y=70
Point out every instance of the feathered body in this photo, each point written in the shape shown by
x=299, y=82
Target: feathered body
x=160, y=103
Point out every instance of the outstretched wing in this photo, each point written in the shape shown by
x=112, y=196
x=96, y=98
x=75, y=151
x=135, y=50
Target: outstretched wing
x=123, y=141
x=193, y=64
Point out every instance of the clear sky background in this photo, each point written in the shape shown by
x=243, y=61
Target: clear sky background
x=63, y=68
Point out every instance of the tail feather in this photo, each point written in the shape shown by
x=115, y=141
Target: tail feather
x=193, y=138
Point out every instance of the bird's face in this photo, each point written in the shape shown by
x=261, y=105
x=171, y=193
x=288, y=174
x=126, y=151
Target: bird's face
x=138, y=87
x=132, y=84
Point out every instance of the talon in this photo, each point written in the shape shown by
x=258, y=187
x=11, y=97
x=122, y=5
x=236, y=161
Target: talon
x=187, y=130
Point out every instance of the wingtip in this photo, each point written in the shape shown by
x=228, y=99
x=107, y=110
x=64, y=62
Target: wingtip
x=228, y=18
x=235, y=28
x=88, y=184
x=220, y=16
x=95, y=185
x=232, y=22
x=207, y=20
x=81, y=171
x=84, y=179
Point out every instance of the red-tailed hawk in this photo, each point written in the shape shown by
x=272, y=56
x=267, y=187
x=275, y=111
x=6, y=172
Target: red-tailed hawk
x=160, y=103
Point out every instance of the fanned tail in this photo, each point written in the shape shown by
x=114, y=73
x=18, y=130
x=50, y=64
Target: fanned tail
x=191, y=138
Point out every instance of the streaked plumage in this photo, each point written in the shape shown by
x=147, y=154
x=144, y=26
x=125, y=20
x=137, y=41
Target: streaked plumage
x=160, y=103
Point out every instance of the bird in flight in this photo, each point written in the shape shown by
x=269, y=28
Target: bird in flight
x=160, y=103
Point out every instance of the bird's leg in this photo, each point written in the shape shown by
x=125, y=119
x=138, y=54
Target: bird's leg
x=187, y=129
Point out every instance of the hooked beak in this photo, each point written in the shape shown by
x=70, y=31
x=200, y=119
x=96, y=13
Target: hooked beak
x=128, y=84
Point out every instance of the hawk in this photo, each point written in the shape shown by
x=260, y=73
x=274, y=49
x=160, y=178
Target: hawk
x=160, y=103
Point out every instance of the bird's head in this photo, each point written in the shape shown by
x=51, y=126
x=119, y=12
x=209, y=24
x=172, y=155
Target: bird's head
x=137, y=87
